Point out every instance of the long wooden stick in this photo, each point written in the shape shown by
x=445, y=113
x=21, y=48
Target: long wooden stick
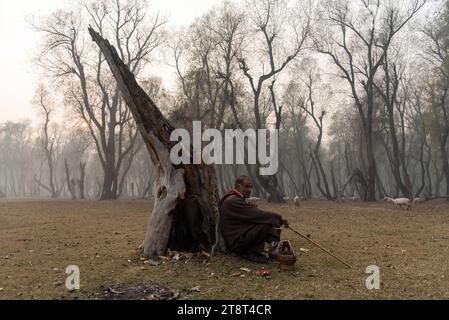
x=319, y=246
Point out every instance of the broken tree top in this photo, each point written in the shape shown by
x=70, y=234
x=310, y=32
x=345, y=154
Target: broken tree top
x=149, y=118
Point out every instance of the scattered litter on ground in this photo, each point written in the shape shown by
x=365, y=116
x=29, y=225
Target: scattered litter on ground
x=151, y=262
x=264, y=272
x=195, y=289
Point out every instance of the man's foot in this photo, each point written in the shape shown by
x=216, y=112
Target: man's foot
x=255, y=256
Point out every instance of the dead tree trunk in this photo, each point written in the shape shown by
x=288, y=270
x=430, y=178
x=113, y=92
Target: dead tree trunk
x=185, y=212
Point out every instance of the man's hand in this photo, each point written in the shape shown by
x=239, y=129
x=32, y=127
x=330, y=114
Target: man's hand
x=252, y=202
x=284, y=222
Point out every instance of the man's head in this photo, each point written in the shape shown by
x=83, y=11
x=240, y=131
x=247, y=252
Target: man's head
x=244, y=185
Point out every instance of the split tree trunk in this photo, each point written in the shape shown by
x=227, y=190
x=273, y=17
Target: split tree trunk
x=185, y=212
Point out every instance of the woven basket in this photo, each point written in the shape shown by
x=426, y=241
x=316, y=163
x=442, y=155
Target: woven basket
x=286, y=258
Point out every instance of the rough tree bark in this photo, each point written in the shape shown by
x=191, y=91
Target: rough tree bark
x=185, y=212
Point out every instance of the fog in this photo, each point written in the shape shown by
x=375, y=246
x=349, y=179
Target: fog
x=358, y=93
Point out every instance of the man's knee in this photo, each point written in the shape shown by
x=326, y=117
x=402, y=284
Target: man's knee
x=252, y=238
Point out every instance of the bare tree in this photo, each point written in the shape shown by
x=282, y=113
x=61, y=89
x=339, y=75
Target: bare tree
x=81, y=180
x=295, y=127
x=185, y=212
x=309, y=106
x=70, y=182
x=394, y=93
x=437, y=52
x=50, y=140
x=89, y=90
x=16, y=148
x=268, y=18
x=357, y=42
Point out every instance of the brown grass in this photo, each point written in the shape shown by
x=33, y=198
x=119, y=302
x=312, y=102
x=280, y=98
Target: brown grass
x=39, y=239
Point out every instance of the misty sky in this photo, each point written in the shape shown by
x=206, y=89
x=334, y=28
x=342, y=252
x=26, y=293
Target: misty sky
x=17, y=81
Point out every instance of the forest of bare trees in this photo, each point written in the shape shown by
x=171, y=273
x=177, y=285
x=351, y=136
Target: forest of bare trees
x=358, y=90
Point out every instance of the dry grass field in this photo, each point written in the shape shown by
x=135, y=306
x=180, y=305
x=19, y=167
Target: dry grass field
x=39, y=239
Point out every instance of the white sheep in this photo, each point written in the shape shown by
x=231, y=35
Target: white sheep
x=403, y=202
x=400, y=202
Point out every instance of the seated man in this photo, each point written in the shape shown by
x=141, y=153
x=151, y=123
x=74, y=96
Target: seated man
x=246, y=228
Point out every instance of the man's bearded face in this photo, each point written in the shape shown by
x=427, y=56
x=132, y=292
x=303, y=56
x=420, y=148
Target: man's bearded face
x=246, y=187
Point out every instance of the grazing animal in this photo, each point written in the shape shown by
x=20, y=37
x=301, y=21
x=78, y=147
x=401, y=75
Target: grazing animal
x=403, y=202
x=400, y=202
